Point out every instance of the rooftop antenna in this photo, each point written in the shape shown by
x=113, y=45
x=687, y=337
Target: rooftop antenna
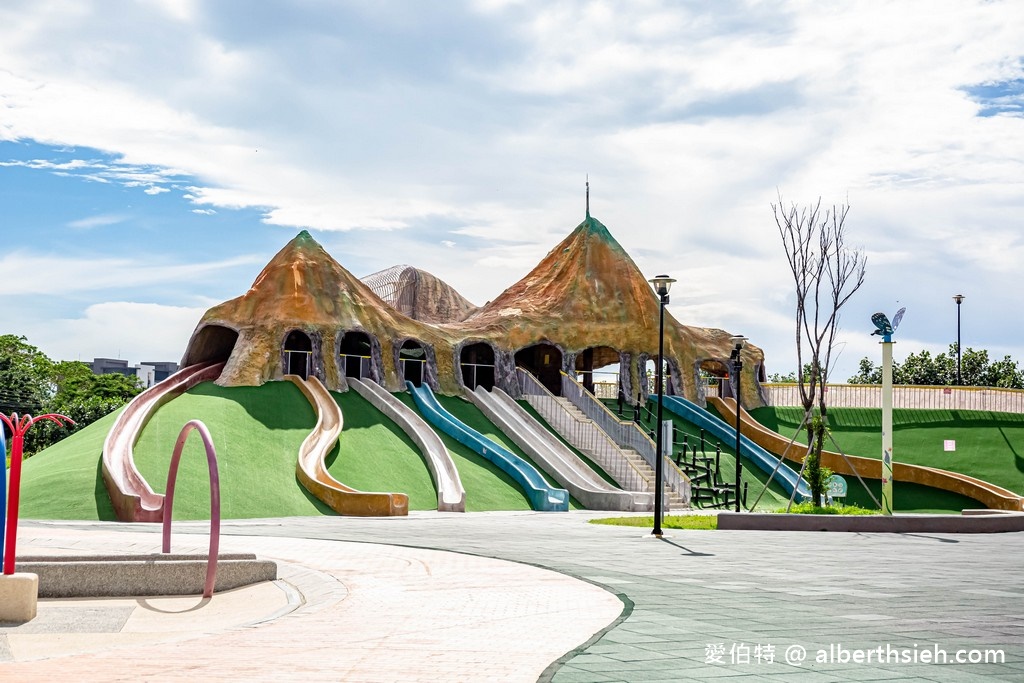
x=588, y=195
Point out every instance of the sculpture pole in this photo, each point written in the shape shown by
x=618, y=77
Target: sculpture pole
x=887, y=424
x=18, y=427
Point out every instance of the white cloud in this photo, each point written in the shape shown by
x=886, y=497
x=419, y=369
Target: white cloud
x=117, y=329
x=688, y=118
x=30, y=273
x=97, y=221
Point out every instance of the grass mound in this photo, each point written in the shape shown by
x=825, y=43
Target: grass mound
x=989, y=446
x=374, y=454
x=257, y=432
x=64, y=481
x=487, y=487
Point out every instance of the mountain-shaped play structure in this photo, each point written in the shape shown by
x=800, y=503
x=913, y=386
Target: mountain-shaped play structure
x=586, y=305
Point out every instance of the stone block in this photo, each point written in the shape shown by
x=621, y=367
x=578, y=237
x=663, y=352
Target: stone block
x=19, y=594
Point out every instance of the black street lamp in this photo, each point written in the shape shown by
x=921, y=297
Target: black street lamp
x=959, y=299
x=737, y=368
x=662, y=283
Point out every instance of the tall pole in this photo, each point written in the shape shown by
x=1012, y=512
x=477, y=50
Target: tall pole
x=658, y=474
x=887, y=424
x=662, y=283
x=959, y=299
x=737, y=370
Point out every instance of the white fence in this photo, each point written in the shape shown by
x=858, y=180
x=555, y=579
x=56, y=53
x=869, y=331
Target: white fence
x=904, y=396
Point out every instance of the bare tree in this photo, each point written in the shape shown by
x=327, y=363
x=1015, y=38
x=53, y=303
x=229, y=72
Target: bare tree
x=827, y=273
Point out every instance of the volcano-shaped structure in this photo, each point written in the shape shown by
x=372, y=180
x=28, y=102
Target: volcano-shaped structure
x=584, y=308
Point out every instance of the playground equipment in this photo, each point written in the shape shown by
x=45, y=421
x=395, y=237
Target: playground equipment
x=542, y=496
x=311, y=470
x=553, y=456
x=172, y=477
x=133, y=498
x=18, y=427
x=765, y=461
x=451, y=496
x=992, y=496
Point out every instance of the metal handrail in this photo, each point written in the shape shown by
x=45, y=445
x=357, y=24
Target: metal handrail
x=586, y=436
x=626, y=434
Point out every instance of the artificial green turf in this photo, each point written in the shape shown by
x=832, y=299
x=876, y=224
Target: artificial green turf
x=374, y=454
x=989, y=445
x=64, y=480
x=472, y=417
x=487, y=487
x=257, y=432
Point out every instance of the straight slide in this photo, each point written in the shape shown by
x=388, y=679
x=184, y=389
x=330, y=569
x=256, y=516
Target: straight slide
x=311, y=470
x=764, y=460
x=133, y=498
x=554, y=457
x=451, y=496
x=541, y=495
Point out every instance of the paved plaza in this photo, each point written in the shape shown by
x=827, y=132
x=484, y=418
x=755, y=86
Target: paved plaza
x=374, y=600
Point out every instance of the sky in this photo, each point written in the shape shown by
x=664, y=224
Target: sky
x=155, y=155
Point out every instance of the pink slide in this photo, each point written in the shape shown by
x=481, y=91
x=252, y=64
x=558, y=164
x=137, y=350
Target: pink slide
x=133, y=498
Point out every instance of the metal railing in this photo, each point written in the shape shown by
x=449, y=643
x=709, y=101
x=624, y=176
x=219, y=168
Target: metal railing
x=364, y=365
x=906, y=396
x=585, y=436
x=304, y=359
x=472, y=383
x=625, y=433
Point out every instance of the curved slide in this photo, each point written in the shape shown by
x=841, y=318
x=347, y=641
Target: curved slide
x=312, y=472
x=990, y=495
x=562, y=464
x=764, y=460
x=451, y=496
x=541, y=495
x=133, y=498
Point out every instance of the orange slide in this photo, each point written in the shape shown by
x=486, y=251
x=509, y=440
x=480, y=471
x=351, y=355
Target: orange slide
x=992, y=496
x=312, y=472
x=133, y=498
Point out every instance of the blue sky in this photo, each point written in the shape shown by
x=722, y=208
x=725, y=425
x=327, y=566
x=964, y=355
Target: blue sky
x=153, y=156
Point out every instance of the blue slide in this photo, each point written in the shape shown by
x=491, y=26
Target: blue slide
x=764, y=460
x=542, y=496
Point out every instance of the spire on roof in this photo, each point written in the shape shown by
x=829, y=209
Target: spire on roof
x=588, y=195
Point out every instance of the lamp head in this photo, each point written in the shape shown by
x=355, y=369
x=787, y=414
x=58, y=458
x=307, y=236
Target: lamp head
x=959, y=298
x=738, y=341
x=662, y=283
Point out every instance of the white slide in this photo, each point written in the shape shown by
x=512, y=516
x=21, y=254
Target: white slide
x=451, y=497
x=133, y=498
x=554, y=457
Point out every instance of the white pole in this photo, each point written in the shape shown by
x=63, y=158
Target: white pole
x=887, y=426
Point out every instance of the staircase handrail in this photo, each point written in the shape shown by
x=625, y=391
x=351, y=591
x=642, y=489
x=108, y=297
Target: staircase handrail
x=625, y=434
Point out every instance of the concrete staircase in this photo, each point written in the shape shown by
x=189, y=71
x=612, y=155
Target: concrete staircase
x=560, y=412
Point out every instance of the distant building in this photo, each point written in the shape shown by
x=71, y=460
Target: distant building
x=161, y=369
x=149, y=372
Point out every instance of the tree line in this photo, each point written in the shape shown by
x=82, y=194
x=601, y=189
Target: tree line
x=32, y=383
x=924, y=369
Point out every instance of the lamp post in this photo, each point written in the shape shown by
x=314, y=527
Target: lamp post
x=885, y=329
x=959, y=299
x=737, y=368
x=662, y=283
